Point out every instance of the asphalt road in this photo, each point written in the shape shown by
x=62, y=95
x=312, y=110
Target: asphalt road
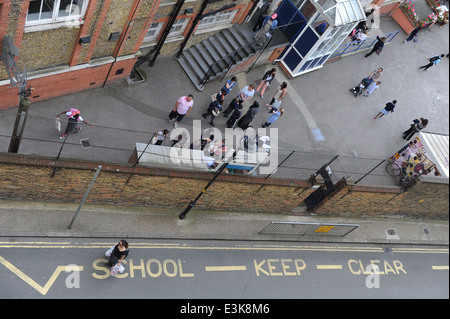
x=164, y=269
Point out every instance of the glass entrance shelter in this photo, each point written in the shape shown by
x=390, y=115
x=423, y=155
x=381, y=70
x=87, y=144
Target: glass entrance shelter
x=327, y=25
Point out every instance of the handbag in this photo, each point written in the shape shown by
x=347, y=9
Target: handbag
x=116, y=269
x=379, y=51
x=109, y=251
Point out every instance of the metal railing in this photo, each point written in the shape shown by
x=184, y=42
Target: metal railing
x=304, y=229
x=228, y=61
x=352, y=47
x=117, y=145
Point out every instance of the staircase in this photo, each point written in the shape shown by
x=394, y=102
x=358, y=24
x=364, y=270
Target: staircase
x=216, y=55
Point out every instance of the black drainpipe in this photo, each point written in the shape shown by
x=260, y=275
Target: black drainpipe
x=169, y=25
x=197, y=19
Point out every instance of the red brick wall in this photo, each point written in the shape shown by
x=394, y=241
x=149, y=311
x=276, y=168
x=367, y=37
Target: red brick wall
x=67, y=82
x=28, y=178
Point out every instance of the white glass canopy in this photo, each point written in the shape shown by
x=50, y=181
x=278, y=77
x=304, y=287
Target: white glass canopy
x=340, y=12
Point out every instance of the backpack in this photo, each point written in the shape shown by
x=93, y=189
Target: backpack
x=435, y=58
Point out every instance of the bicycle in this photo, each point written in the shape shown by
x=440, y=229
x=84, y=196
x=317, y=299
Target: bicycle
x=394, y=169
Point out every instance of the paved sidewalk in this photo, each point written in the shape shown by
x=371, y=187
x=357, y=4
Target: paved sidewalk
x=23, y=219
x=317, y=104
x=317, y=100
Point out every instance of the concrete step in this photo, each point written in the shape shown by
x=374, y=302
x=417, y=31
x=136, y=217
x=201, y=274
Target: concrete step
x=190, y=73
x=221, y=51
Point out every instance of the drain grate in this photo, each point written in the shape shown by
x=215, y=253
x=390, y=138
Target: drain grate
x=85, y=143
x=391, y=232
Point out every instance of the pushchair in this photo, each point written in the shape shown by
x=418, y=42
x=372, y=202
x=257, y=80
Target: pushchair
x=357, y=90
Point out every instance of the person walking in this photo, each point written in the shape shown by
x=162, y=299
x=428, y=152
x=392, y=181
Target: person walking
x=416, y=127
x=245, y=121
x=433, y=61
x=214, y=109
x=375, y=75
x=74, y=117
x=413, y=34
x=273, y=117
x=372, y=88
x=228, y=86
x=234, y=116
x=269, y=25
x=182, y=108
x=118, y=254
x=234, y=105
x=161, y=137
x=378, y=47
x=266, y=80
x=389, y=108
x=279, y=94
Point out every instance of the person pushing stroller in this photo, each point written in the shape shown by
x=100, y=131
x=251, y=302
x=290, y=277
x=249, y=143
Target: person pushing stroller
x=364, y=84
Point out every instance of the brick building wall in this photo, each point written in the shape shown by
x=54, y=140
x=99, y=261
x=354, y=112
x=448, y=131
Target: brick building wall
x=28, y=178
x=173, y=43
x=55, y=58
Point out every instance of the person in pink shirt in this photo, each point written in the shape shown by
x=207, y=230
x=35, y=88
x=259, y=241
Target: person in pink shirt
x=181, y=109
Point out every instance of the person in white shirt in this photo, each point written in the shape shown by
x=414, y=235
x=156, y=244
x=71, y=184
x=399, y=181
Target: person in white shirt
x=246, y=93
x=359, y=37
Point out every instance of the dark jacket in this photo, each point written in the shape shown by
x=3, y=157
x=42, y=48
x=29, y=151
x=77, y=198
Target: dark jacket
x=379, y=44
x=389, y=107
x=266, y=75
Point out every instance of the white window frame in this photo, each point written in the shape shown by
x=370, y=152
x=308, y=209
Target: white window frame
x=178, y=23
x=157, y=26
x=55, y=19
x=217, y=19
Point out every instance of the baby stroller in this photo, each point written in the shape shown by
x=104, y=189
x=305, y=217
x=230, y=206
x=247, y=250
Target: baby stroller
x=357, y=90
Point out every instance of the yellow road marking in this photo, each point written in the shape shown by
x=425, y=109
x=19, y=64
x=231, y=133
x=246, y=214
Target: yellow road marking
x=439, y=267
x=329, y=267
x=31, y=282
x=240, y=247
x=225, y=268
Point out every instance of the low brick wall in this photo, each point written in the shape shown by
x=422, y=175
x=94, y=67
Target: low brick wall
x=28, y=178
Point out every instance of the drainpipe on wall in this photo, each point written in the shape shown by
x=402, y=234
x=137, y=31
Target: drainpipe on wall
x=166, y=32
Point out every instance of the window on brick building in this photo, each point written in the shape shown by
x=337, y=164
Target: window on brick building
x=178, y=27
x=49, y=11
x=153, y=31
x=223, y=17
x=176, y=30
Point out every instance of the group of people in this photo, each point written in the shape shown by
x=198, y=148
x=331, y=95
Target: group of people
x=370, y=84
x=236, y=105
x=234, y=112
x=374, y=83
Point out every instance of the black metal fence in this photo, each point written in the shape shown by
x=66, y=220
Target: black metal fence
x=117, y=145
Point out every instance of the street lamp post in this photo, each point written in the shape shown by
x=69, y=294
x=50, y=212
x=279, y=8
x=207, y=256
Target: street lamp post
x=8, y=56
